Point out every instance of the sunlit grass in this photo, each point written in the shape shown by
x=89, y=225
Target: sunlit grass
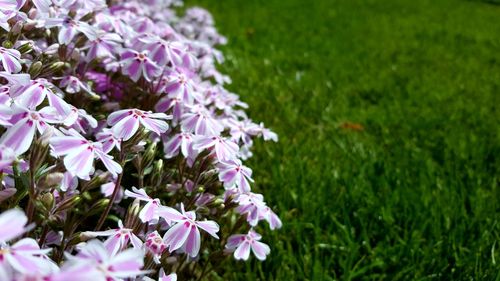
x=389, y=153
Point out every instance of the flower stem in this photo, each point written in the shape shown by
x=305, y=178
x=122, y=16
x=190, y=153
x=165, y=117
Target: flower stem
x=115, y=192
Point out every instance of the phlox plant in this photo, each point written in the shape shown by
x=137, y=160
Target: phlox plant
x=121, y=152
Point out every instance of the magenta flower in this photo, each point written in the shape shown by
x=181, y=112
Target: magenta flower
x=118, y=239
x=224, y=149
x=126, y=122
x=149, y=211
x=26, y=122
x=136, y=64
x=80, y=153
x=10, y=60
x=242, y=244
x=185, y=233
x=234, y=173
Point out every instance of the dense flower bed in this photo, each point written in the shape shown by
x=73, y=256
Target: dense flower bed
x=120, y=150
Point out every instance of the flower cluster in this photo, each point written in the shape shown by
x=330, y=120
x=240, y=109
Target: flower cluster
x=121, y=151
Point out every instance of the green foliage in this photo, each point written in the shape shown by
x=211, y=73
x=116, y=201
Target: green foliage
x=411, y=194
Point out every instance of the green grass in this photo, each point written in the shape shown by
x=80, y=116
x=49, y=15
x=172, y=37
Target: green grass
x=413, y=196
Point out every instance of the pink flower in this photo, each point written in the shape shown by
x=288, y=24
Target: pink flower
x=185, y=233
x=10, y=60
x=126, y=122
x=80, y=153
x=242, y=244
x=26, y=122
x=149, y=211
x=118, y=239
x=134, y=64
x=234, y=173
x=225, y=149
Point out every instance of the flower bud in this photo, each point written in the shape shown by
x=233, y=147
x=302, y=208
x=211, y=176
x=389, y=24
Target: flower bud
x=155, y=244
x=7, y=44
x=149, y=155
x=67, y=203
x=25, y=48
x=54, y=179
x=55, y=66
x=35, y=69
x=47, y=200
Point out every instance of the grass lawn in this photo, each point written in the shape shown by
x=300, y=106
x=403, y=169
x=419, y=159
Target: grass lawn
x=388, y=162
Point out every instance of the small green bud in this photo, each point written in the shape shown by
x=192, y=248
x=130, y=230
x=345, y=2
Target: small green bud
x=7, y=44
x=25, y=48
x=56, y=66
x=35, y=69
x=47, y=200
x=67, y=203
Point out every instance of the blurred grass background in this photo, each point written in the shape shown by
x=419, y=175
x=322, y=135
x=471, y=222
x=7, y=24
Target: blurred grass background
x=388, y=162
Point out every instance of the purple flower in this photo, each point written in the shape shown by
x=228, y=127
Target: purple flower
x=80, y=153
x=242, y=244
x=149, y=211
x=224, y=149
x=201, y=122
x=25, y=256
x=95, y=262
x=108, y=140
x=154, y=243
x=234, y=173
x=163, y=52
x=12, y=225
x=185, y=233
x=179, y=142
x=7, y=157
x=134, y=64
x=103, y=45
x=118, y=239
x=69, y=28
x=26, y=122
x=126, y=122
x=74, y=85
x=10, y=60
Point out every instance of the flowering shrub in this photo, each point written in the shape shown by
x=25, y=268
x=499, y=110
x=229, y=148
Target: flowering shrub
x=121, y=145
